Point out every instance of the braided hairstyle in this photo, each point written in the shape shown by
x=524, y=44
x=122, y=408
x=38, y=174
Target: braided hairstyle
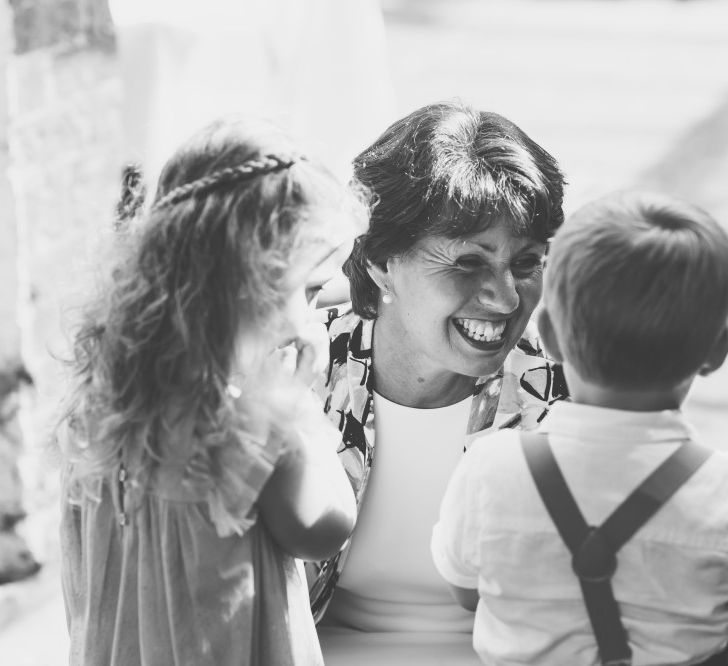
x=208, y=265
x=131, y=198
x=216, y=180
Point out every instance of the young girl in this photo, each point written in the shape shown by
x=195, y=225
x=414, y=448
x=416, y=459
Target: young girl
x=197, y=463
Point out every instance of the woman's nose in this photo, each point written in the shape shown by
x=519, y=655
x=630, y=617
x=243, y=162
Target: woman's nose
x=498, y=293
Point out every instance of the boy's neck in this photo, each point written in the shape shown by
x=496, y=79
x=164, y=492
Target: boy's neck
x=653, y=400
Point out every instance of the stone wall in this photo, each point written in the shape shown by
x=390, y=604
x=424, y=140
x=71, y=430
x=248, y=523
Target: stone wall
x=41, y=23
x=64, y=137
x=9, y=333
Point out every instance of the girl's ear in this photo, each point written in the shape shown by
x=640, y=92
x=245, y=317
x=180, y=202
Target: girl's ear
x=549, y=339
x=716, y=355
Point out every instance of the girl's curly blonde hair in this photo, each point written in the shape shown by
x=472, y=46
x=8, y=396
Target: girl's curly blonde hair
x=204, y=264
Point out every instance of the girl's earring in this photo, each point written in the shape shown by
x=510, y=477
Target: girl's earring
x=386, y=298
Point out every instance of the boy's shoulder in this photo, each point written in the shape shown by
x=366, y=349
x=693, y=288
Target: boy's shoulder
x=711, y=479
x=494, y=454
x=497, y=478
x=719, y=458
x=699, y=509
x=491, y=442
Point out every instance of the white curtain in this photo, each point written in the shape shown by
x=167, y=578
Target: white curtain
x=317, y=67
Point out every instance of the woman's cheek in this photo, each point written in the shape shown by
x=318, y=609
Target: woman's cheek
x=530, y=291
x=465, y=284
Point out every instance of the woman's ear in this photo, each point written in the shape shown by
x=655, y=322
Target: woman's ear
x=379, y=275
x=549, y=339
x=716, y=355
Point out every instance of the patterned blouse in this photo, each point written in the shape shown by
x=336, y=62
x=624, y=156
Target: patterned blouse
x=517, y=396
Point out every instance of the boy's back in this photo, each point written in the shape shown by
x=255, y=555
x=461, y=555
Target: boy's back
x=635, y=307
x=672, y=578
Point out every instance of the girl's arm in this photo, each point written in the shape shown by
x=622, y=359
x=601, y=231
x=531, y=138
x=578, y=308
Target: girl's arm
x=308, y=504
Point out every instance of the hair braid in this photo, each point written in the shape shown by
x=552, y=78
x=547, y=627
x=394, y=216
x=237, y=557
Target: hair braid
x=244, y=171
x=133, y=193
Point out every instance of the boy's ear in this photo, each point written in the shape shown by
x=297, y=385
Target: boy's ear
x=379, y=275
x=716, y=355
x=549, y=339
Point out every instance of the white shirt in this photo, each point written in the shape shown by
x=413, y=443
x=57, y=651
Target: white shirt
x=672, y=577
x=389, y=582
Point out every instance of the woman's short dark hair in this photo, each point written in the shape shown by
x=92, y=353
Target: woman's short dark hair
x=448, y=169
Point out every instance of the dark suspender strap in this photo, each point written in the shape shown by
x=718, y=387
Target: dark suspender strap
x=601, y=606
x=656, y=489
x=594, y=556
x=606, y=622
x=554, y=491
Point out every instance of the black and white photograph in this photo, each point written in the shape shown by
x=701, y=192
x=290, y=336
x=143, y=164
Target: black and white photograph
x=363, y=333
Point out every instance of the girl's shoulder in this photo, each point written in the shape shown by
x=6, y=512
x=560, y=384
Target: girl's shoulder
x=231, y=477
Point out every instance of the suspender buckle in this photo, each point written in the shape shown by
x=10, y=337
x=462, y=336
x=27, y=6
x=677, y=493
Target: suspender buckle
x=594, y=561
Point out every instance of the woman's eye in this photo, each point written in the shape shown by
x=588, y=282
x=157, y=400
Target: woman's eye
x=469, y=262
x=528, y=264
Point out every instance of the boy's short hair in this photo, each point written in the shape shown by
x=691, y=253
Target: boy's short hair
x=637, y=289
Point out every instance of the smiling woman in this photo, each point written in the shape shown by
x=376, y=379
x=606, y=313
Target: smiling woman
x=459, y=306
x=443, y=285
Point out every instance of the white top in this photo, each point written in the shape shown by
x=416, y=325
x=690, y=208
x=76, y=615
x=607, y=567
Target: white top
x=672, y=578
x=389, y=583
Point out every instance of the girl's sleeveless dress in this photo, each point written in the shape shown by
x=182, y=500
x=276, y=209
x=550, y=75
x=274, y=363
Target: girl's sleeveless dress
x=149, y=581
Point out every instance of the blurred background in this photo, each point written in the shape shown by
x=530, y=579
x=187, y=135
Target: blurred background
x=623, y=92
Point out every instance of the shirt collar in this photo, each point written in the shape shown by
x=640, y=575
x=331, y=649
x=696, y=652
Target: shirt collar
x=600, y=424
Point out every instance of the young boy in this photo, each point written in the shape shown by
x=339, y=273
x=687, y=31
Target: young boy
x=635, y=306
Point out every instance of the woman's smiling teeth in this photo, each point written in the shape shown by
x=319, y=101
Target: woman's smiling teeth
x=481, y=330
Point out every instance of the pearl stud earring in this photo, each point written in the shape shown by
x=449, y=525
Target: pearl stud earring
x=387, y=298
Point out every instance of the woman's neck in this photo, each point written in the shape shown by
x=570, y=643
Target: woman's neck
x=407, y=378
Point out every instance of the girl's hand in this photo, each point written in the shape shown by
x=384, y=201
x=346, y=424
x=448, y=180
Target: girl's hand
x=312, y=359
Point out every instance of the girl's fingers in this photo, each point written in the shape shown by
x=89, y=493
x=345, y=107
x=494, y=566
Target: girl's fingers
x=287, y=357
x=313, y=352
x=305, y=363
